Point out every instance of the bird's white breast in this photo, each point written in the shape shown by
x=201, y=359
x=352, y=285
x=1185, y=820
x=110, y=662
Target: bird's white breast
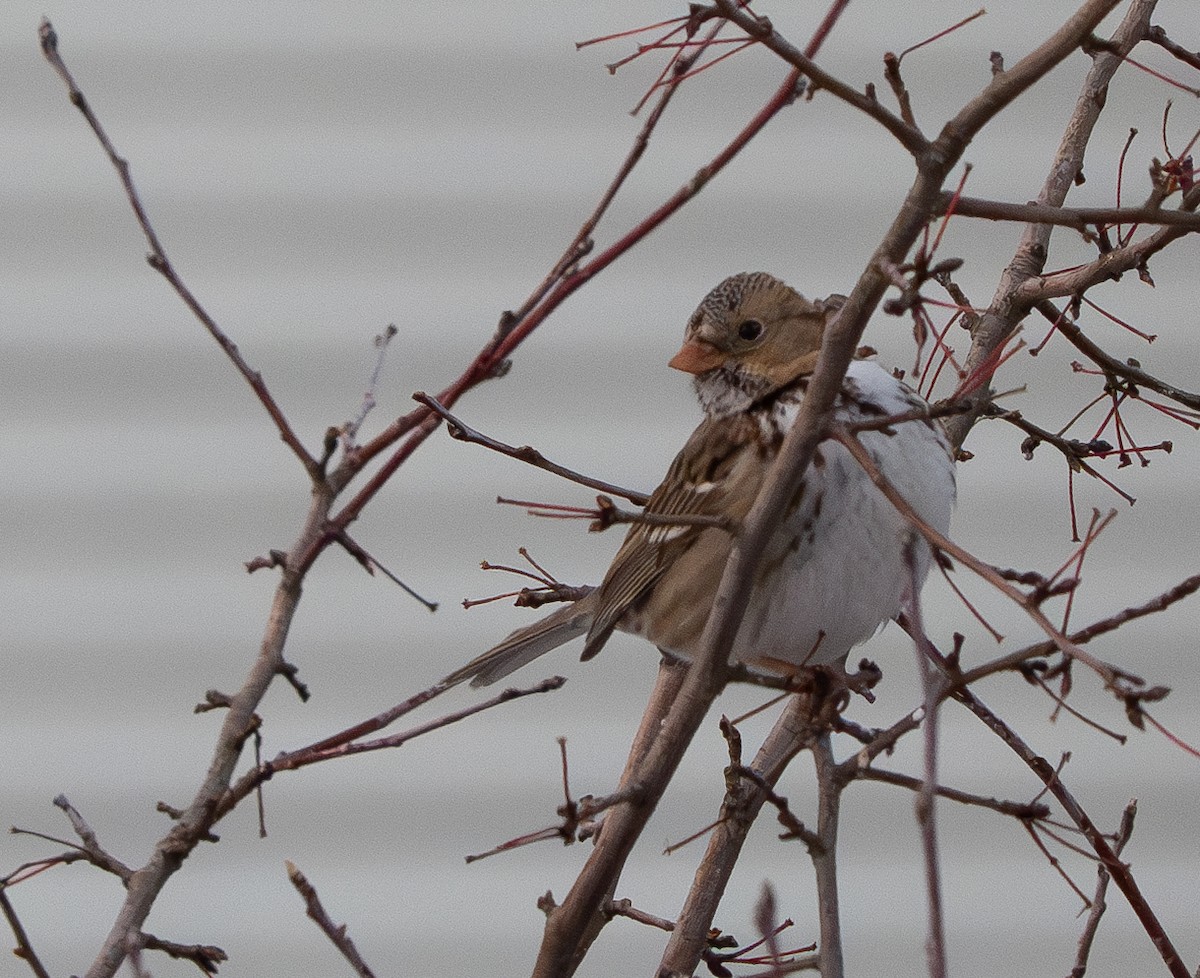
x=849, y=559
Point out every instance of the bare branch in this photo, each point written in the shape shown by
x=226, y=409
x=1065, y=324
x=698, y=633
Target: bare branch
x=206, y=957
x=1092, y=925
x=97, y=855
x=796, y=728
x=1112, y=677
x=161, y=263
x=905, y=131
x=1016, y=809
x=531, y=456
x=994, y=327
x=24, y=950
x=335, y=932
x=1111, y=365
x=1156, y=604
x=1110, y=265
x=1073, y=217
x=1121, y=873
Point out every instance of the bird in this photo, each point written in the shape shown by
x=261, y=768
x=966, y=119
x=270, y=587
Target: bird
x=842, y=561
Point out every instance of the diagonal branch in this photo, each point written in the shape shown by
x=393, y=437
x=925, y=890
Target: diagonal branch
x=994, y=327
x=759, y=28
x=162, y=264
x=1120, y=872
x=531, y=456
x=565, y=930
x=1111, y=365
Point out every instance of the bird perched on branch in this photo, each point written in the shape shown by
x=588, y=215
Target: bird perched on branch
x=842, y=561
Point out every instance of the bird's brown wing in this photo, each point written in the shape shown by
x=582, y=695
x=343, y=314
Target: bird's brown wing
x=708, y=478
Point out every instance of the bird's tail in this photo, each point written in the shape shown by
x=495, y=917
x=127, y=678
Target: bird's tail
x=524, y=645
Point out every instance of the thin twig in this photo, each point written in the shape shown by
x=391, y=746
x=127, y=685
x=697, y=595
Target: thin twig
x=461, y=431
x=161, y=263
x=97, y=855
x=370, y=564
x=1092, y=924
x=350, y=429
x=206, y=957
x=1016, y=809
x=335, y=932
x=908, y=135
x=24, y=950
x=1038, y=650
x=796, y=727
x=1121, y=873
x=1078, y=218
x=1111, y=365
x=347, y=742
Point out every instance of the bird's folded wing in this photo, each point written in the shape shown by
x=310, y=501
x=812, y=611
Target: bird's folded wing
x=709, y=468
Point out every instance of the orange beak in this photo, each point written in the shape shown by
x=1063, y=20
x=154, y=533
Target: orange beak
x=696, y=357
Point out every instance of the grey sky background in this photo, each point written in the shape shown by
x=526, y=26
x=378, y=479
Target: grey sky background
x=317, y=171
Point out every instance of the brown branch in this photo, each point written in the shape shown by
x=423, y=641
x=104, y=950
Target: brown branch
x=1112, y=677
x=565, y=931
x=335, y=932
x=1071, y=449
x=1120, y=872
x=1078, y=218
x=993, y=329
x=418, y=425
x=24, y=949
x=1039, y=650
x=347, y=742
x=460, y=431
x=625, y=908
x=161, y=263
x=759, y=28
x=1110, y=265
x=371, y=564
x=796, y=727
x=1158, y=36
x=194, y=822
x=1098, y=904
x=1016, y=809
x=1111, y=365
x=206, y=957
x=96, y=853
x=578, y=822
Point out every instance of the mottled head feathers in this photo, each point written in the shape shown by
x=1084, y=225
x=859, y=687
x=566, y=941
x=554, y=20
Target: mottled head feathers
x=752, y=334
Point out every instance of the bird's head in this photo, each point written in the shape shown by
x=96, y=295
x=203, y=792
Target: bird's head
x=751, y=335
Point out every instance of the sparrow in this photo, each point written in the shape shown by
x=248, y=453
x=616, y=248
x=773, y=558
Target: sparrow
x=840, y=564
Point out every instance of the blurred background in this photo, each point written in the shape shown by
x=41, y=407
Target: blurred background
x=317, y=171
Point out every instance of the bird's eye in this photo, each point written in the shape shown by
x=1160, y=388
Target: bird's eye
x=750, y=330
